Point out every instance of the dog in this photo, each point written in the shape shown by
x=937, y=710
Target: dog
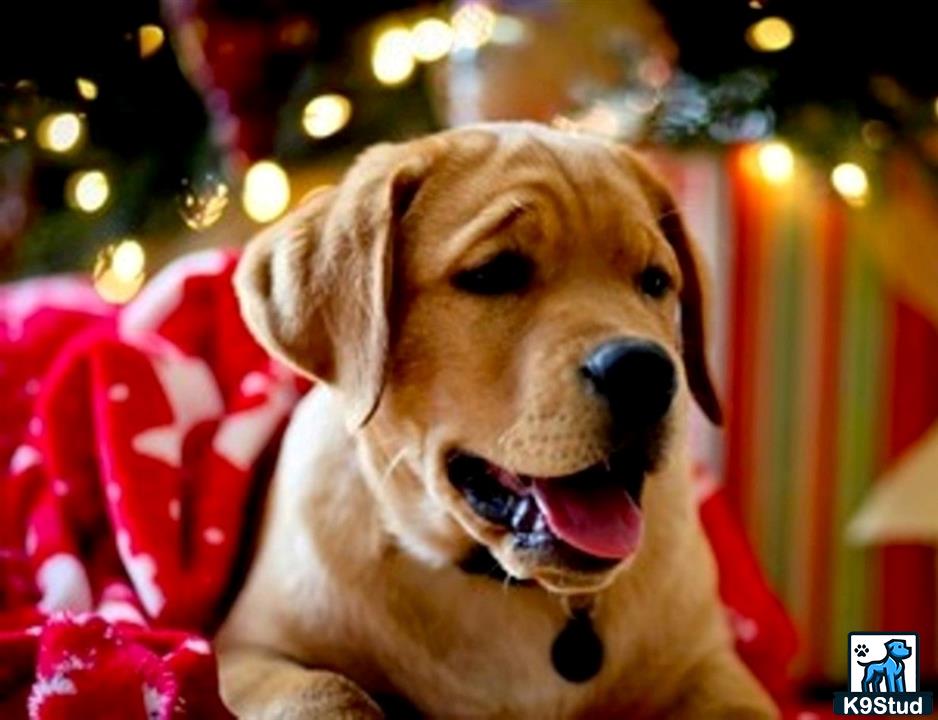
x=890, y=669
x=484, y=506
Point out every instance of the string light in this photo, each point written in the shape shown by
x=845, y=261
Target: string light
x=392, y=58
x=266, y=192
x=850, y=181
x=119, y=271
x=432, y=38
x=770, y=34
x=150, y=39
x=776, y=162
x=86, y=88
x=935, y=108
x=325, y=115
x=88, y=190
x=473, y=25
x=60, y=132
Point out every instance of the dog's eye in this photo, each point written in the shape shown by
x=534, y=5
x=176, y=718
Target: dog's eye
x=655, y=282
x=507, y=272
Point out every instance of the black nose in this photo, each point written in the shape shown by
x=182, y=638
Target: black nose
x=636, y=377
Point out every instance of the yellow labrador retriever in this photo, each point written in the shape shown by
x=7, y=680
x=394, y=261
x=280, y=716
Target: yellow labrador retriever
x=484, y=506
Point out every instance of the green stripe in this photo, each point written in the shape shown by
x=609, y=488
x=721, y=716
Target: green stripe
x=859, y=401
x=782, y=396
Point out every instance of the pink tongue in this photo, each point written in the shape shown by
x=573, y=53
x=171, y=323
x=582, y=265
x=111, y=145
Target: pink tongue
x=600, y=520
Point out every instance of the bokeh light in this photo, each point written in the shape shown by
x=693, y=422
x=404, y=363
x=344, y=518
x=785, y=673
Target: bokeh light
x=392, y=58
x=473, y=25
x=119, y=271
x=850, y=181
x=88, y=89
x=770, y=34
x=432, y=38
x=266, y=191
x=150, y=39
x=60, y=132
x=325, y=115
x=776, y=162
x=88, y=190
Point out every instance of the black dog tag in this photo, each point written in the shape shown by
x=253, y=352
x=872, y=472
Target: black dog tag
x=577, y=652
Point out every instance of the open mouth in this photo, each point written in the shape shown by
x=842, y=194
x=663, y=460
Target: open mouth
x=591, y=519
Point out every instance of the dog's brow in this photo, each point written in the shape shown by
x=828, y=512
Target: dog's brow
x=494, y=219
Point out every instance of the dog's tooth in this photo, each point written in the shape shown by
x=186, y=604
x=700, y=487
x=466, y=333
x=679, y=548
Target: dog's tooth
x=525, y=515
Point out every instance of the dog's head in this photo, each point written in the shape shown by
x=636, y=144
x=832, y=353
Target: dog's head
x=898, y=649
x=512, y=317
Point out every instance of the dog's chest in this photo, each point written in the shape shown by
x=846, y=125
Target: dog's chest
x=479, y=649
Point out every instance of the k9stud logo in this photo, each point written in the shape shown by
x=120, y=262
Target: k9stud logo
x=883, y=677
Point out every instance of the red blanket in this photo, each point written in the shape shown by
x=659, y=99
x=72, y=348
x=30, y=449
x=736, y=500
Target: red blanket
x=132, y=440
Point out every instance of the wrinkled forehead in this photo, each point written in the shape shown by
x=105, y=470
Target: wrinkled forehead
x=573, y=182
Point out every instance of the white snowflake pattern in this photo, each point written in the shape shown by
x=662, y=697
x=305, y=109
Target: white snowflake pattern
x=64, y=584
x=142, y=571
x=193, y=397
x=242, y=436
x=24, y=457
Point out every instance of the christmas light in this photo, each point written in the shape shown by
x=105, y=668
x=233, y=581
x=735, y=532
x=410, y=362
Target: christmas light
x=850, y=181
x=88, y=190
x=432, y=38
x=150, y=38
x=392, y=58
x=935, y=108
x=325, y=115
x=119, y=271
x=266, y=192
x=60, y=132
x=776, y=162
x=473, y=25
x=86, y=88
x=770, y=34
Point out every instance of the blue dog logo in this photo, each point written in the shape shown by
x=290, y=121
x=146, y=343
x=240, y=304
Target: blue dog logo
x=890, y=671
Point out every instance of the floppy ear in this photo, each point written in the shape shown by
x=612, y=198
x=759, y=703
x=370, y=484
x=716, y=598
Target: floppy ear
x=314, y=288
x=693, y=293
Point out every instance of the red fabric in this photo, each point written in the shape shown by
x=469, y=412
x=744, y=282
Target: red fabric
x=133, y=440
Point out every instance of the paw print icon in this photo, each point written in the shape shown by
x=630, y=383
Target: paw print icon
x=861, y=650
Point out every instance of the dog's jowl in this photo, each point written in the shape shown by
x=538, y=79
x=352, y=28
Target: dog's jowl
x=484, y=505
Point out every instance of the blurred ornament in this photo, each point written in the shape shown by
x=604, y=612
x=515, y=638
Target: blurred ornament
x=392, y=58
x=266, y=191
x=770, y=34
x=202, y=205
x=432, y=39
x=119, y=271
x=850, y=181
x=60, y=132
x=612, y=60
x=87, y=190
x=86, y=88
x=325, y=115
x=150, y=39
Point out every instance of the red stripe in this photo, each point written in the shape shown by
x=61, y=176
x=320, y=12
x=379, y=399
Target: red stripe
x=739, y=479
x=823, y=487
x=913, y=408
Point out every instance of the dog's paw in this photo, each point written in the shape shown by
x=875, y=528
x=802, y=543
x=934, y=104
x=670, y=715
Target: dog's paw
x=861, y=650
